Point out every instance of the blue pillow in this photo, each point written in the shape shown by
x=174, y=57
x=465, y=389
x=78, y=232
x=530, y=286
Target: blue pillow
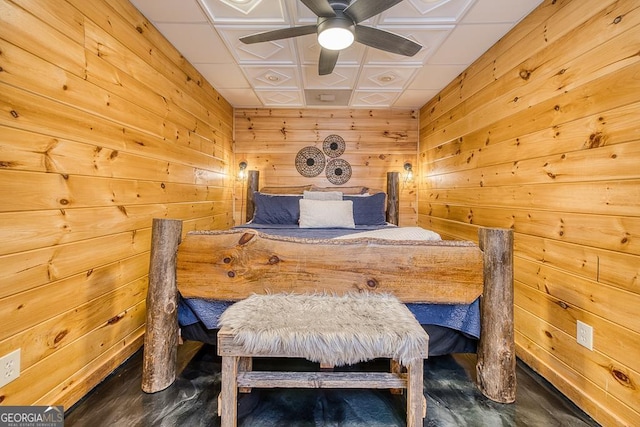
x=369, y=210
x=276, y=209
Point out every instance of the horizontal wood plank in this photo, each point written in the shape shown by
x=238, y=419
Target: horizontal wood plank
x=280, y=379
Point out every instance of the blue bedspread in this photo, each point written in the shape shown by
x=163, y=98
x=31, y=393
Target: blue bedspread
x=464, y=318
x=461, y=317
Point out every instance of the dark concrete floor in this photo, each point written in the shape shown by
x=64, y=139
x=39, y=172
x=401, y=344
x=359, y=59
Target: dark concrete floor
x=452, y=399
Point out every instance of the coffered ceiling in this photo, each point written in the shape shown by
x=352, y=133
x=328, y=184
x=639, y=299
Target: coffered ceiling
x=284, y=73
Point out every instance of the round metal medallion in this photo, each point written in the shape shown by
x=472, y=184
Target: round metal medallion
x=310, y=161
x=338, y=171
x=333, y=146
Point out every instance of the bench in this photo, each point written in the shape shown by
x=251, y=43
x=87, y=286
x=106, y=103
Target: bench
x=403, y=341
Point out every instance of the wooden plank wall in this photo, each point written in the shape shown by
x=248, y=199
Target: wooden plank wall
x=541, y=135
x=103, y=126
x=377, y=141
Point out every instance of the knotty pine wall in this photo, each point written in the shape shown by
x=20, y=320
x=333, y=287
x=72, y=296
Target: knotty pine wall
x=542, y=134
x=103, y=126
x=377, y=141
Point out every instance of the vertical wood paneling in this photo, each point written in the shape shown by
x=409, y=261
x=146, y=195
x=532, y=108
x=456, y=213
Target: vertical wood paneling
x=377, y=142
x=103, y=126
x=541, y=135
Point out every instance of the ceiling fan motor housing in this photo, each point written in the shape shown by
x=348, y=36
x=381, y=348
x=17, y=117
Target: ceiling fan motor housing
x=339, y=21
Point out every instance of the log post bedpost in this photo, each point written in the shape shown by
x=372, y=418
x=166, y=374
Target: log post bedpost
x=161, y=337
x=496, y=364
x=253, y=179
x=393, y=197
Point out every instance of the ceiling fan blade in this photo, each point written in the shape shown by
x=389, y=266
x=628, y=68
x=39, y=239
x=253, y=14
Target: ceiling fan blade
x=360, y=10
x=384, y=40
x=328, y=60
x=321, y=8
x=283, y=33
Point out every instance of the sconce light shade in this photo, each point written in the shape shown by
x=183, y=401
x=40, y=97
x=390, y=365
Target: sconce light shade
x=409, y=168
x=242, y=173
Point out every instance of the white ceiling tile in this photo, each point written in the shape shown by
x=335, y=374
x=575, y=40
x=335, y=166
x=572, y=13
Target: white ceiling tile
x=196, y=42
x=273, y=52
x=224, y=75
x=414, y=98
x=426, y=12
x=487, y=11
x=468, y=42
x=242, y=98
x=435, y=77
x=341, y=78
x=252, y=12
x=281, y=98
x=387, y=78
x=265, y=77
x=371, y=99
x=170, y=11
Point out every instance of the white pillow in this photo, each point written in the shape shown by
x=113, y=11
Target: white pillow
x=322, y=195
x=326, y=214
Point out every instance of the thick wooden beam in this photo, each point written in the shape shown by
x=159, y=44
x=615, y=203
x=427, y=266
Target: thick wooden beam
x=232, y=265
x=496, y=365
x=393, y=197
x=161, y=338
x=253, y=182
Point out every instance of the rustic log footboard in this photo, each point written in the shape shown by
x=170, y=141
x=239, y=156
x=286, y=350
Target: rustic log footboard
x=231, y=265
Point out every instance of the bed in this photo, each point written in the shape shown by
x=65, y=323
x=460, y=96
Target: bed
x=303, y=240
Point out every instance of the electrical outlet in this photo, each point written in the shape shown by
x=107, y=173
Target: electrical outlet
x=584, y=335
x=9, y=367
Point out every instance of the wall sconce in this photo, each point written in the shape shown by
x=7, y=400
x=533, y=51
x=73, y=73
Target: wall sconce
x=409, y=175
x=242, y=173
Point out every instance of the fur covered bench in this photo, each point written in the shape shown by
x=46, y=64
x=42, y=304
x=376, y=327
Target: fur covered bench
x=331, y=330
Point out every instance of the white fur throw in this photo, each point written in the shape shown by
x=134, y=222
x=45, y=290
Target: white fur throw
x=336, y=330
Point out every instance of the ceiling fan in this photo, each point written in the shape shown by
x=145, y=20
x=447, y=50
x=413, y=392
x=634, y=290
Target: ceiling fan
x=338, y=27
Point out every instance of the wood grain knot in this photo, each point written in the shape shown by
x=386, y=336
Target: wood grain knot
x=525, y=74
x=60, y=336
x=169, y=308
x=621, y=377
x=372, y=283
x=274, y=260
x=231, y=274
x=596, y=140
x=115, y=319
x=226, y=260
x=246, y=237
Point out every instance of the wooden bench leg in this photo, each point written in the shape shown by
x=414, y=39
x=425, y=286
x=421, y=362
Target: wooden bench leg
x=245, y=364
x=396, y=368
x=415, y=394
x=229, y=392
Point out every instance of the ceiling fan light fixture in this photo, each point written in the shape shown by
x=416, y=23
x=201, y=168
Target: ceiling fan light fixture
x=336, y=33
